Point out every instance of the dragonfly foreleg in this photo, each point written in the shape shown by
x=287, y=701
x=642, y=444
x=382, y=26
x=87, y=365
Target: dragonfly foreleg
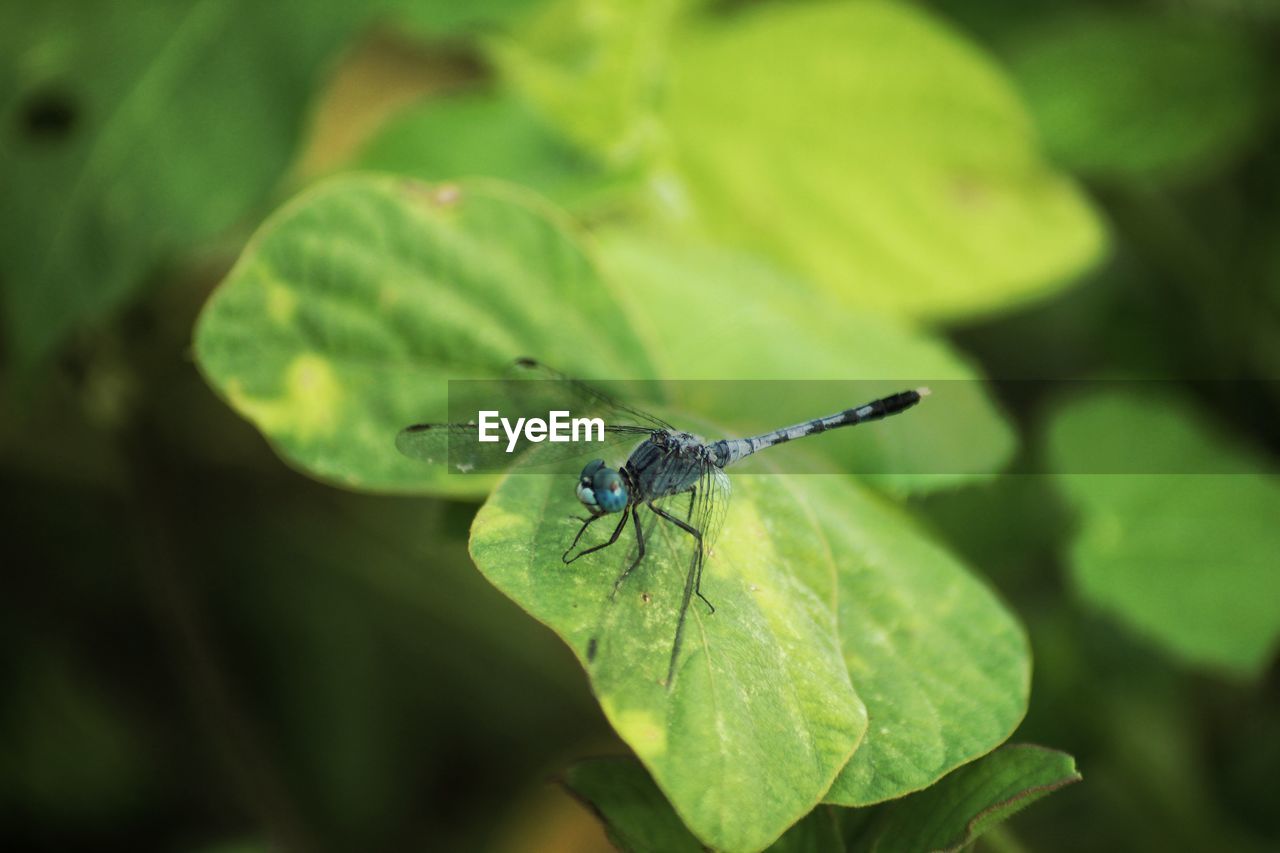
x=586, y=522
x=617, y=531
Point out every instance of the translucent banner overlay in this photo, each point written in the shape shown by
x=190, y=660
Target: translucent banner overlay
x=956, y=428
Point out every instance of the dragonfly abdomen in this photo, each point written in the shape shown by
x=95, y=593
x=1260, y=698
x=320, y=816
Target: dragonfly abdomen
x=728, y=451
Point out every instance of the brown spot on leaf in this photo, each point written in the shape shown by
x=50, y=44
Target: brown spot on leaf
x=436, y=195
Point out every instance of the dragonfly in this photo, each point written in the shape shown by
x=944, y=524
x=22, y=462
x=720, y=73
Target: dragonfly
x=665, y=465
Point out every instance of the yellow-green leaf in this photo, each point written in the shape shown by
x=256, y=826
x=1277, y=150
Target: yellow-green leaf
x=354, y=305
x=760, y=715
x=943, y=667
x=820, y=591
x=882, y=154
x=739, y=317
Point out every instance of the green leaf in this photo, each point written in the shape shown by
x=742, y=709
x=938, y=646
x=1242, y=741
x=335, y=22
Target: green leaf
x=943, y=667
x=593, y=67
x=141, y=128
x=881, y=154
x=436, y=18
x=742, y=318
x=1123, y=94
x=482, y=134
x=817, y=832
x=955, y=812
x=636, y=816
x=354, y=305
x=639, y=819
x=1182, y=549
x=760, y=715
x=947, y=816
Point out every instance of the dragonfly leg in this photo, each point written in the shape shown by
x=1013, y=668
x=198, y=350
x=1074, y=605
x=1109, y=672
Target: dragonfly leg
x=617, y=531
x=691, y=581
x=636, y=561
x=695, y=565
x=586, y=522
x=693, y=497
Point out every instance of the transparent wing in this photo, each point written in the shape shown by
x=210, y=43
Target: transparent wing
x=532, y=390
x=705, y=507
x=587, y=397
x=711, y=504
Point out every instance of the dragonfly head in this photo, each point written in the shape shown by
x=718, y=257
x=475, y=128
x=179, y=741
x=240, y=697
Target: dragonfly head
x=601, y=489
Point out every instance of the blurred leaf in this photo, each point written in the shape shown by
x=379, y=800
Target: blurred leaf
x=817, y=832
x=992, y=21
x=138, y=129
x=482, y=134
x=333, y=680
x=1129, y=95
x=741, y=318
x=593, y=67
x=71, y=752
x=967, y=803
x=1188, y=559
x=436, y=18
x=947, y=816
x=880, y=153
x=1007, y=525
x=354, y=305
x=943, y=667
x=636, y=816
x=761, y=714
x=639, y=819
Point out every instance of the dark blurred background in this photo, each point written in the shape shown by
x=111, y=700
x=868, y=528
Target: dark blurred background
x=205, y=650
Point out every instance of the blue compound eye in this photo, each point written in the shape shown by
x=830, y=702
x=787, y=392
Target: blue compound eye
x=586, y=484
x=601, y=489
x=610, y=493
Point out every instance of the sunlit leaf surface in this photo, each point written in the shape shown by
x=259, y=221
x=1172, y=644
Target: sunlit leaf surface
x=445, y=18
x=882, y=154
x=594, y=68
x=943, y=667
x=482, y=134
x=761, y=715
x=708, y=313
x=770, y=674
x=353, y=307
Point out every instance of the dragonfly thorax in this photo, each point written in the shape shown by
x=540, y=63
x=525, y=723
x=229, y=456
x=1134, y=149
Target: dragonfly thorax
x=666, y=463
